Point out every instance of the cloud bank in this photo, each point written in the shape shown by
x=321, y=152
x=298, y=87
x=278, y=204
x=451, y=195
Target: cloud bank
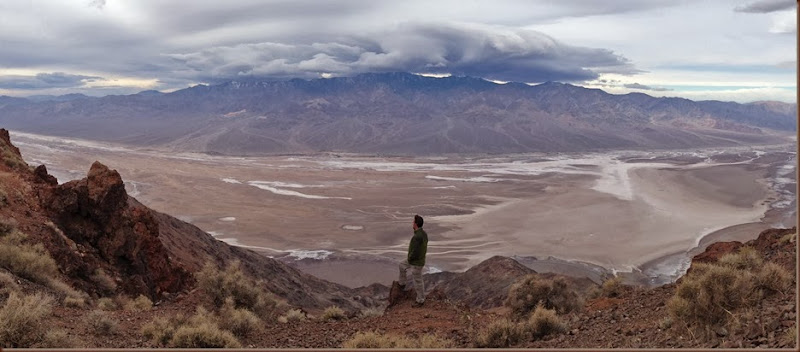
x=491, y=52
x=45, y=80
x=767, y=6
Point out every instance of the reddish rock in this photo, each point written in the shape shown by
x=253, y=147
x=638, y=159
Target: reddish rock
x=95, y=213
x=715, y=251
x=5, y=139
x=42, y=176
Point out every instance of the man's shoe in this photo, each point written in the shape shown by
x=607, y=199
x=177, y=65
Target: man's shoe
x=417, y=304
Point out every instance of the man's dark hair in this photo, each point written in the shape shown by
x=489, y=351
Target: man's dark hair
x=418, y=220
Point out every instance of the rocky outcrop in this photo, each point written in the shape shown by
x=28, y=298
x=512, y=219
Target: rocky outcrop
x=96, y=215
x=768, y=243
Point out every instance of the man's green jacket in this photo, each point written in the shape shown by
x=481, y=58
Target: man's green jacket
x=418, y=248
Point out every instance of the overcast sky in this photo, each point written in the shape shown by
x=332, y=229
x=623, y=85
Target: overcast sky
x=740, y=50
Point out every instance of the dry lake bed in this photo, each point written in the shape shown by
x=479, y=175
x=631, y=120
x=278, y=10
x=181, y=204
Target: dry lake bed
x=347, y=218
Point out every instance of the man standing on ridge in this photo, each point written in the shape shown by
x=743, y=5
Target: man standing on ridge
x=417, y=249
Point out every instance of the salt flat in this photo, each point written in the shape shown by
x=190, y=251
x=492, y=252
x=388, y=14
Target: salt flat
x=347, y=218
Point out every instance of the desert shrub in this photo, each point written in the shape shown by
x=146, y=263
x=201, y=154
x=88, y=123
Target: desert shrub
x=375, y=340
x=160, y=330
x=205, y=335
x=428, y=341
x=544, y=322
x=66, y=290
x=198, y=331
x=665, y=323
x=333, y=313
x=141, y=303
x=773, y=278
x=241, y=322
x=612, y=287
x=501, y=333
x=371, y=312
x=525, y=294
x=7, y=283
x=219, y=285
x=369, y=340
x=106, y=303
x=74, y=302
x=102, y=324
x=710, y=292
x=747, y=258
x=7, y=226
x=28, y=261
x=12, y=160
x=57, y=338
x=788, y=238
x=790, y=336
x=295, y=315
x=103, y=280
x=21, y=319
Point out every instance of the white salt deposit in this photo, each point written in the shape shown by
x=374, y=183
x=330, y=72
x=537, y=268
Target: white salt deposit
x=228, y=219
x=285, y=192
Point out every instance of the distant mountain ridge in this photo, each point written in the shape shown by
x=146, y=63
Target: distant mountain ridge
x=399, y=113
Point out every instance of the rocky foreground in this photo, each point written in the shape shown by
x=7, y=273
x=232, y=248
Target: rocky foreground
x=99, y=269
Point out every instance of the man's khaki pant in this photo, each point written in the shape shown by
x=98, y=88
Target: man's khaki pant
x=416, y=274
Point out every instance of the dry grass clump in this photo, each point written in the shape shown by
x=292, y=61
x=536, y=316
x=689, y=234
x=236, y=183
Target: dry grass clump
x=428, y=341
x=747, y=258
x=7, y=283
x=21, y=319
x=28, y=261
x=711, y=291
x=525, y=294
x=201, y=331
x=501, y=333
x=57, y=338
x=7, y=226
x=612, y=287
x=371, y=312
x=160, y=330
x=219, y=285
x=203, y=336
x=544, y=322
x=375, y=340
x=198, y=331
x=774, y=278
x=241, y=322
x=333, y=313
x=106, y=303
x=791, y=238
x=103, y=280
x=66, y=290
x=74, y=302
x=11, y=160
x=102, y=324
x=294, y=315
x=140, y=304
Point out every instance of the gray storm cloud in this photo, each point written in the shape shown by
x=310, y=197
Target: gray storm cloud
x=491, y=52
x=44, y=80
x=766, y=6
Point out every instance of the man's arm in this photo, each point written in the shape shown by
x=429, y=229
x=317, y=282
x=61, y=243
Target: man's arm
x=413, y=249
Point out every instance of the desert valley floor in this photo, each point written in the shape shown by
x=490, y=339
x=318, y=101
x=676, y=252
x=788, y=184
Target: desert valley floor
x=347, y=218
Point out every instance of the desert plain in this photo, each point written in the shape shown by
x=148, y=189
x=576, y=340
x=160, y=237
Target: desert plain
x=347, y=218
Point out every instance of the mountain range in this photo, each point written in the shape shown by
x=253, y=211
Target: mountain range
x=398, y=113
